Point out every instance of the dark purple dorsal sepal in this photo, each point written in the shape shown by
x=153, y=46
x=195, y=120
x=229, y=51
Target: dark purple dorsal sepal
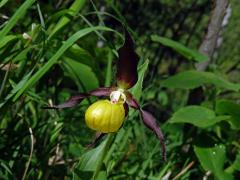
x=127, y=75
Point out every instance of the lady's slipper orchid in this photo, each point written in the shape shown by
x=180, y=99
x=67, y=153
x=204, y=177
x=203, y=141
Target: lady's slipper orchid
x=107, y=116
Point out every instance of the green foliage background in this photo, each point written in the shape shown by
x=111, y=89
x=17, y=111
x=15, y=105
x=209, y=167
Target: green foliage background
x=73, y=49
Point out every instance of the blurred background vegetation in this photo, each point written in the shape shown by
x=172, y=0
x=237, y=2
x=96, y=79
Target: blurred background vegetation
x=48, y=64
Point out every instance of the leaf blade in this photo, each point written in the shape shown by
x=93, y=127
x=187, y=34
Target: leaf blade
x=56, y=56
x=196, y=115
x=193, y=79
x=213, y=159
x=17, y=15
x=188, y=53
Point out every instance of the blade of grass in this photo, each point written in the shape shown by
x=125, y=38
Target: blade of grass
x=75, y=8
x=15, y=18
x=41, y=16
x=30, y=155
x=5, y=79
x=56, y=56
x=3, y=2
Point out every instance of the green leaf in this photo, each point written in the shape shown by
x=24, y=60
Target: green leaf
x=197, y=115
x=15, y=18
x=3, y=2
x=5, y=166
x=16, y=88
x=80, y=54
x=5, y=40
x=227, y=107
x=213, y=159
x=235, y=166
x=180, y=48
x=137, y=89
x=193, y=79
x=89, y=160
x=54, y=59
x=74, y=9
x=82, y=74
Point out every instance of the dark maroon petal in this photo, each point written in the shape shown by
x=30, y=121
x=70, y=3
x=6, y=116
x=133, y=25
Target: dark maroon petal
x=97, y=138
x=75, y=100
x=71, y=102
x=104, y=91
x=151, y=123
x=125, y=105
x=127, y=75
x=131, y=101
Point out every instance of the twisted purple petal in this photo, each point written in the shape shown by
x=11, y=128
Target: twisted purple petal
x=132, y=102
x=76, y=99
x=150, y=122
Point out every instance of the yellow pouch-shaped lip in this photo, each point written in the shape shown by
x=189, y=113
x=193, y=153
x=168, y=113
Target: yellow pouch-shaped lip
x=104, y=116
